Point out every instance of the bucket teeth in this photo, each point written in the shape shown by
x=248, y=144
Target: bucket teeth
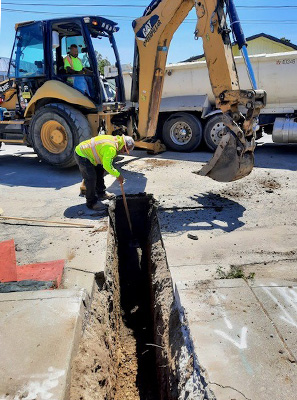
x=230, y=162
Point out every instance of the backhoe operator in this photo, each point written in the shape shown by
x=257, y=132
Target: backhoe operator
x=73, y=65
x=96, y=155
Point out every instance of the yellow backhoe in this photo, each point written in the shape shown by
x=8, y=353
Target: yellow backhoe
x=52, y=110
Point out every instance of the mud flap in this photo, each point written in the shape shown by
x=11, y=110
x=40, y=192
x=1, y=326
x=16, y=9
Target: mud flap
x=229, y=162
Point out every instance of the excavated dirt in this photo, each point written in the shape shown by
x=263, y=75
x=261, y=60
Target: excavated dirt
x=251, y=188
x=150, y=164
x=270, y=184
x=93, y=371
x=135, y=345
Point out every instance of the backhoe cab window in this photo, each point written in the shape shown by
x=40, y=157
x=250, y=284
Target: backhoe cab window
x=28, y=53
x=82, y=50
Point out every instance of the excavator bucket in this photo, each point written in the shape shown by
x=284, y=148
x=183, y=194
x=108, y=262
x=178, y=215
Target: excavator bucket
x=230, y=162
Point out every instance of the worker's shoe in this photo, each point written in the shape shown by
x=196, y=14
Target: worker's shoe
x=106, y=196
x=97, y=207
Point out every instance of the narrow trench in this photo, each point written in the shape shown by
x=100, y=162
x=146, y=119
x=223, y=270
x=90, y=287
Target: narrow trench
x=136, y=345
x=136, y=331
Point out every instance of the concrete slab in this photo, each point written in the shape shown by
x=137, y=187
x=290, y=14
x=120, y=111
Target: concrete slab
x=78, y=279
x=241, y=351
x=277, y=269
x=193, y=272
x=220, y=247
x=39, y=331
x=279, y=299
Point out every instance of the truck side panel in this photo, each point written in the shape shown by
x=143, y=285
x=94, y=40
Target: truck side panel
x=274, y=72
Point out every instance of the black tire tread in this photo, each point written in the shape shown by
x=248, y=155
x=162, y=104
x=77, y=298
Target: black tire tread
x=77, y=118
x=197, y=132
x=206, y=131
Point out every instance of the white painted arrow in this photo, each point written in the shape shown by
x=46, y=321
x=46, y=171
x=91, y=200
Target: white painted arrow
x=243, y=338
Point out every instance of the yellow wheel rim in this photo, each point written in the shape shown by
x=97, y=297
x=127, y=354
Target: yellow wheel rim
x=54, y=137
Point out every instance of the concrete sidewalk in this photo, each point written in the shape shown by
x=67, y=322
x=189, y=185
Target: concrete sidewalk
x=244, y=336
x=39, y=333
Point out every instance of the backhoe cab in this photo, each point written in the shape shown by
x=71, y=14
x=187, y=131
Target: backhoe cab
x=57, y=110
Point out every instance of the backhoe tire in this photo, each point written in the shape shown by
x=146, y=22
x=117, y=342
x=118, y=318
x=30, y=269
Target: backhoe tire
x=213, y=131
x=55, y=130
x=182, y=132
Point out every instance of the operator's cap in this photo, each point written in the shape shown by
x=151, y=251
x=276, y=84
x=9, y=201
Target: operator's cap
x=129, y=143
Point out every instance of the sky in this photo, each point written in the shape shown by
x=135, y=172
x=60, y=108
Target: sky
x=272, y=17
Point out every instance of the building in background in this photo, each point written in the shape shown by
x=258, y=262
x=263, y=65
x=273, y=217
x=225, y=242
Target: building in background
x=4, y=63
x=258, y=44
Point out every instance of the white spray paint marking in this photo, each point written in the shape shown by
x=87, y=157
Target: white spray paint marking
x=243, y=337
x=293, y=292
x=41, y=385
x=222, y=310
x=287, y=296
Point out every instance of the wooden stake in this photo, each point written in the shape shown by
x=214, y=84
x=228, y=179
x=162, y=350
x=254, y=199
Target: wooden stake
x=126, y=208
x=77, y=225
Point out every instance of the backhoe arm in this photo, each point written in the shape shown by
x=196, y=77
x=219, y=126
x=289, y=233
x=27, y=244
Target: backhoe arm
x=153, y=34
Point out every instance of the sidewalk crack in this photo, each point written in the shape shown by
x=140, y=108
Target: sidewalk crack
x=229, y=387
x=272, y=323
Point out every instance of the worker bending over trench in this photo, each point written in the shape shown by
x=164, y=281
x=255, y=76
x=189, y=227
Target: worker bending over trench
x=96, y=155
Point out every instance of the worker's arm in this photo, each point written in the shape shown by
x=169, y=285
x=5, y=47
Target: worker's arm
x=108, y=155
x=71, y=71
x=87, y=71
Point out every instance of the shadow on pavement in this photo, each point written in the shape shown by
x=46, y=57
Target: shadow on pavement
x=276, y=156
x=80, y=211
x=135, y=182
x=216, y=212
x=27, y=170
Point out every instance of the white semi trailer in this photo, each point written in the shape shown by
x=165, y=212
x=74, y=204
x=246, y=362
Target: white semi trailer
x=188, y=114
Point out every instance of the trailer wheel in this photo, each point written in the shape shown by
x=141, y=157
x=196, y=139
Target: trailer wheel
x=213, y=131
x=55, y=130
x=182, y=132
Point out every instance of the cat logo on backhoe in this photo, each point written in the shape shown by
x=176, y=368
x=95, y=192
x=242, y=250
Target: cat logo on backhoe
x=148, y=29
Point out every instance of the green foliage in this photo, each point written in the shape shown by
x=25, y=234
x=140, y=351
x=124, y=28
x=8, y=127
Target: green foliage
x=235, y=272
x=285, y=40
x=102, y=62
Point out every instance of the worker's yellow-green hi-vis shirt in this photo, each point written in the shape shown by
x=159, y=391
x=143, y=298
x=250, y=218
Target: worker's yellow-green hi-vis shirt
x=73, y=62
x=102, y=150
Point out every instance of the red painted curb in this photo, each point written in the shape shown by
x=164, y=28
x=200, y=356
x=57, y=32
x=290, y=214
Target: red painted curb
x=7, y=261
x=46, y=271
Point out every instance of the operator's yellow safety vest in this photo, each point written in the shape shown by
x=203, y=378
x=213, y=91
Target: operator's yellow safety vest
x=75, y=63
x=102, y=150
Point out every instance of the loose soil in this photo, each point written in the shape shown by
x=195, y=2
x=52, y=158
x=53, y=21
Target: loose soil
x=150, y=164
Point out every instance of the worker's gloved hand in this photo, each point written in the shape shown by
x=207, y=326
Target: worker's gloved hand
x=120, y=179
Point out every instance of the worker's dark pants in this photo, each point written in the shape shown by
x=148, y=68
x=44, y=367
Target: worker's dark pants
x=93, y=177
